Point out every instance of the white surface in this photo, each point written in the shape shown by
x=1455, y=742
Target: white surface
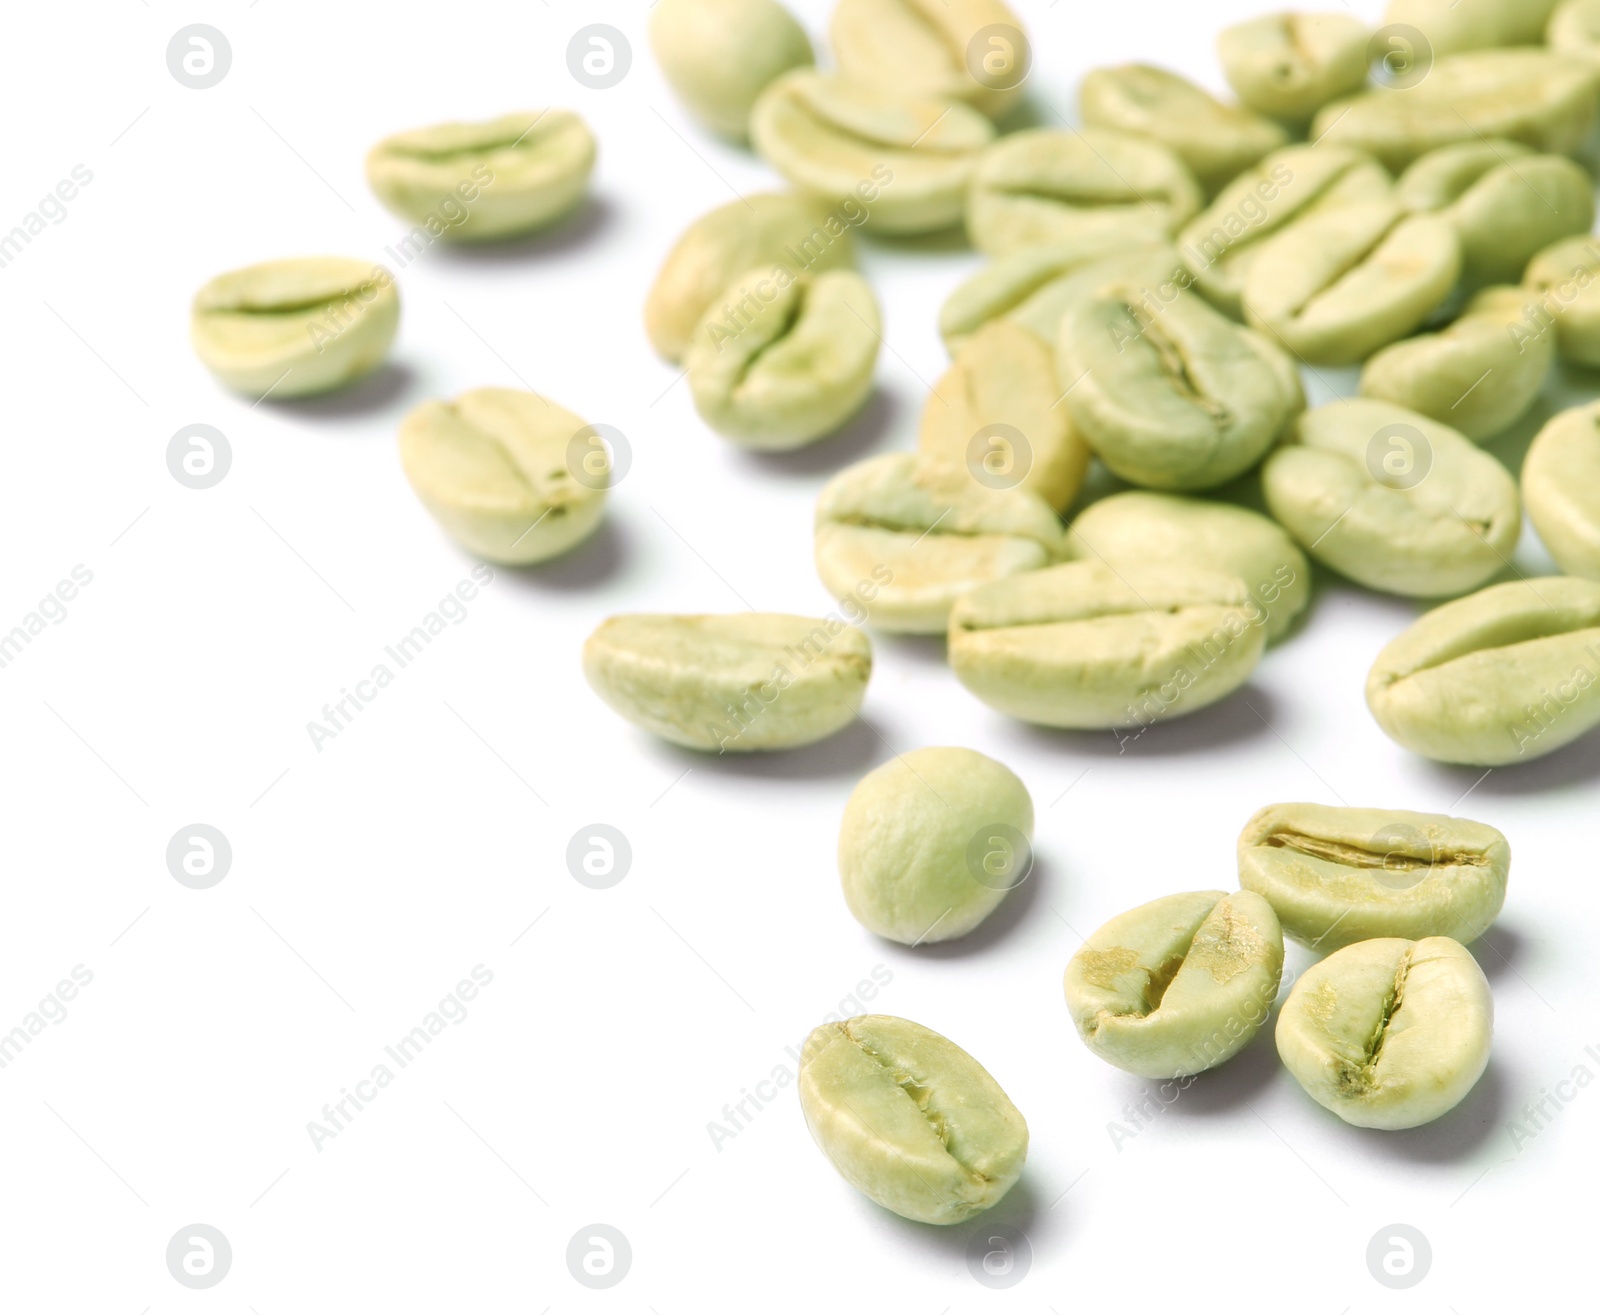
x=370, y=877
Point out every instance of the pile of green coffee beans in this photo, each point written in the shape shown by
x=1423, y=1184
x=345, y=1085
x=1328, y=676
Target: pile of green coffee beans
x=1158, y=279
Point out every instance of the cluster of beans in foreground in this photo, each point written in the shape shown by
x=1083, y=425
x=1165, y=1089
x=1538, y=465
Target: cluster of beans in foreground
x=1116, y=487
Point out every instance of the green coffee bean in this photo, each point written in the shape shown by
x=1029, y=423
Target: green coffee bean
x=1134, y=527
x=1288, y=65
x=1218, y=142
x=736, y=684
x=1389, y=1033
x=932, y=843
x=1336, y=876
x=908, y=536
x=1221, y=243
x=1543, y=100
x=786, y=232
x=996, y=412
x=1507, y=204
x=1502, y=676
x=1575, y=30
x=291, y=328
x=475, y=182
x=780, y=361
x=1480, y=375
x=1336, y=286
x=1051, y=186
x=1169, y=393
x=719, y=55
x=508, y=474
x=1034, y=286
x=1393, y=500
x=909, y=1119
x=1568, y=275
x=1179, y=985
x=970, y=50
x=1454, y=25
x=1561, y=486
x=1087, y=647
x=838, y=140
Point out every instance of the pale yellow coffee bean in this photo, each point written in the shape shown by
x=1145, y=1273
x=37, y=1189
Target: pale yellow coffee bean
x=1336, y=286
x=781, y=361
x=1086, y=647
x=996, y=411
x=1336, y=876
x=476, y=182
x=1575, y=29
x=1541, y=99
x=1561, y=486
x=1480, y=375
x=1567, y=275
x=841, y=141
x=1048, y=186
x=1179, y=985
x=1218, y=142
x=909, y=1119
x=1289, y=65
x=1297, y=182
x=783, y=231
x=1454, y=25
x=510, y=475
x=1506, y=202
x=719, y=55
x=932, y=842
x=1141, y=527
x=1034, y=287
x=291, y=328
x=1389, y=1033
x=1393, y=500
x=970, y=50
x=744, y=683
x=908, y=536
x=1505, y=675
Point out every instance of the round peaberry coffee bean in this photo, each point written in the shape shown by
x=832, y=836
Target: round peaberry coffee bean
x=1218, y=142
x=1139, y=527
x=495, y=468
x=783, y=231
x=1289, y=65
x=1393, y=500
x=1336, y=876
x=1502, y=676
x=1034, y=287
x=839, y=140
x=969, y=50
x=1561, y=486
x=1297, y=182
x=1567, y=274
x=1506, y=202
x=908, y=536
x=1575, y=30
x=1449, y=26
x=1179, y=985
x=292, y=328
x=909, y=1119
x=1086, y=647
x=996, y=411
x=1168, y=392
x=1541, y=99
x=1051, y=186
x=719, y=55
x=475, y=182
x=932, y=842
x=780, y=360
x=1389, y=1033
x=1336, y=286
x=736, y=684
x=1480, y=375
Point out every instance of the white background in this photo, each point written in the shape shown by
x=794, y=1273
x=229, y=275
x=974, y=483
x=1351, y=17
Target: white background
x=369, y=878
